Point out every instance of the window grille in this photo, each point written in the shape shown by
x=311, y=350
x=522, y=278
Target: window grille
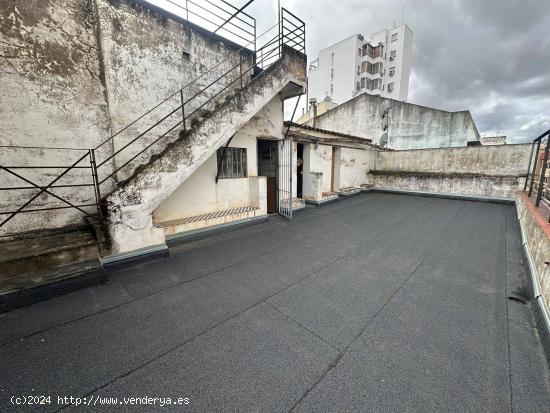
x=233, y=164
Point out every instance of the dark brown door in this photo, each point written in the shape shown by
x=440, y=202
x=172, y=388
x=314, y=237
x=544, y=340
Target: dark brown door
x=271, y=195
x=267, y=166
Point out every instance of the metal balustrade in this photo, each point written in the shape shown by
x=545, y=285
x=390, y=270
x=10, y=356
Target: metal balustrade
x=538, y=171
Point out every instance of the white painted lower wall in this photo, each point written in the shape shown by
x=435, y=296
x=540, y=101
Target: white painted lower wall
x=355, y=165
x=200, y=194
x=350, y=169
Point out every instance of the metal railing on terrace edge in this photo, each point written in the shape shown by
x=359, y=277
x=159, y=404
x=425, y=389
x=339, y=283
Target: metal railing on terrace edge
x=218, y=16
x=538, y=171
x=291, y=32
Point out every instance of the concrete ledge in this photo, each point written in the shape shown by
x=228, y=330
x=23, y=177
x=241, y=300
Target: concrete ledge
x=322, y=201
x=506, y=201
x=67, y=280
x=201, y=233
x=445, y=174
x=140, y=255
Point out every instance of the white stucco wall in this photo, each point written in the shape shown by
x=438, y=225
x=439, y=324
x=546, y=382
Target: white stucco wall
x=321, y=161
x=200, y=194
x=355, y=165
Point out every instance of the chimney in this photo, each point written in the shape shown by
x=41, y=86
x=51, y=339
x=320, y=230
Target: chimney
x=313, y=111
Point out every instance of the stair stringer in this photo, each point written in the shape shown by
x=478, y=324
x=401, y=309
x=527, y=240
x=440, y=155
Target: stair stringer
x=130, y=206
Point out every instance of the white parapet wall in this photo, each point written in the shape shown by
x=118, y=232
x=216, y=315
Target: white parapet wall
x=483, y=171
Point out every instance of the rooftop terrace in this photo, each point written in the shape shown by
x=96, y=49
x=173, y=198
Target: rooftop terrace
x=379, y=302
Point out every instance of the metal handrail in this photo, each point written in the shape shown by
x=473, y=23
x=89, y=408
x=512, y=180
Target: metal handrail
x=293, y=36
x=208, y=16
x=185, y=116
x=542, y=187
x=191, y=82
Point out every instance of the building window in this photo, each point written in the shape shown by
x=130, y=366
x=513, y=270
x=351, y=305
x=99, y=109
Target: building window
x=233, y=164
x=363, y=67
x=358, y=69
x=332, y=59
x=331, y=89
x=358, y=86
x=390, y=87
x=392, y=71
x=363, y=82
x=373, y=51
x=393, y=54
x=359, y=51
x=394, y=37
x=331, y=74
x=375, y=68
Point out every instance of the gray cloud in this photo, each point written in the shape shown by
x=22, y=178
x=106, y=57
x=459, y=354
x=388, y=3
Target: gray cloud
x=489, y=56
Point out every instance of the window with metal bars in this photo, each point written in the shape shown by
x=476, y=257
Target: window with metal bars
x=233, y=164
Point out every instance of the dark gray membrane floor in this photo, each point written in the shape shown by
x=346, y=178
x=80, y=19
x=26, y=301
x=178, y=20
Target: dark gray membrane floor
x=376, y=303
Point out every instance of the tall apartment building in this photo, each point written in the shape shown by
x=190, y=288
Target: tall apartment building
x=380, y=66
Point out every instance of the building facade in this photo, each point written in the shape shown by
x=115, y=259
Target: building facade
x=380, y=66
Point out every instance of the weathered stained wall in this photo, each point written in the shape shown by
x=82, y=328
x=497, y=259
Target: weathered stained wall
x=148, y=57
x=52, y=96
x=50, y=74
x=488, y=160
x=409, y=126
x=488, y=171
x=73, y=72
x=537, y=237
x=355, y=165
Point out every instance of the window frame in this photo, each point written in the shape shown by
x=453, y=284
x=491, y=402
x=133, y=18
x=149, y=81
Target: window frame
x=234, y=164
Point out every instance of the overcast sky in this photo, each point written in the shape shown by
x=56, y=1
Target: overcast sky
x=489, y=56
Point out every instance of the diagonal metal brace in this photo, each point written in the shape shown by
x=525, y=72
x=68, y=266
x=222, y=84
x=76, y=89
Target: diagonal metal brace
x=43, y=189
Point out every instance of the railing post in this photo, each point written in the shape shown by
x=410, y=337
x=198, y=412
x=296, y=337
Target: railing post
x=95, y=178
x=534, y=168
x=543, y=170
x=182, y=109
x=280, y=31
x=529, y=166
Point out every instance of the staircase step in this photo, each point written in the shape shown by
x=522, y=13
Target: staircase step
x=45, y=252
x=196, y=222
x=28, y=289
